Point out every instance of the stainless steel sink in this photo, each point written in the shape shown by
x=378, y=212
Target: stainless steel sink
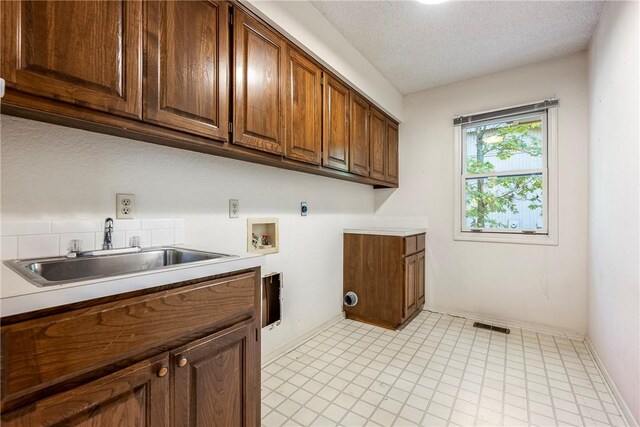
x=61, y=270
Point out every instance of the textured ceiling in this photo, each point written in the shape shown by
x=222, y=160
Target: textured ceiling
x=417, y=46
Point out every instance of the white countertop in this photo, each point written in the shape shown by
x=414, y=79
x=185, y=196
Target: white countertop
x=386, y=231
x=17, y=295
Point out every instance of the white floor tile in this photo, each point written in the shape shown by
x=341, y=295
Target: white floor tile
x=439, y=370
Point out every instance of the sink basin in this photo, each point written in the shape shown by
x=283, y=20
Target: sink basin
x=61, y=270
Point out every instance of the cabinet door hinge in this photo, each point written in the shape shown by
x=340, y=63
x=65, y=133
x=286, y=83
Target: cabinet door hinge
x=256, y=334
x=231, y=127
x=230, y=17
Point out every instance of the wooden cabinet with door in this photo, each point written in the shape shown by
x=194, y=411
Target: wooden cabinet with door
x=386, y=271
x=87, y=53
x=336, y=132
x=303, y=113
x=185, y=354
x=187, y=66
x=214, y=378
x=359, y=142
x=259, y=104
x=160, y=71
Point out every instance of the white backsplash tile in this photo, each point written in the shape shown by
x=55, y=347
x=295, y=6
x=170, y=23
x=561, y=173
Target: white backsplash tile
x=39, y=238
x=145, y=237
x=162, y=237
x=26, y=227
x=39, y=245
x=126, y=224
x=179, y=236
x=9, y=247
x=87, y=241
x=156, y=224
x=75, y=226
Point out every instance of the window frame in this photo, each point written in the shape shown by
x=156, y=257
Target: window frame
x=549, y=234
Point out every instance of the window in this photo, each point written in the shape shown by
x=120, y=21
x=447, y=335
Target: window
x=506, y=182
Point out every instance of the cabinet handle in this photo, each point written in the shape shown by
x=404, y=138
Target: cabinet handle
x=163, y=371
x=182, y=362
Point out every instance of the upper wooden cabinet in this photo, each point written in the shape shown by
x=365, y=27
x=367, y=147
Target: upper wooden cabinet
x=359, y=144
x=188, y=74
x=187, y=66
x=378, y=144
x=83, y=52
x=259, y=56
x=335, y=139
x=392, y=153
x=384, y=148
x=303, y=114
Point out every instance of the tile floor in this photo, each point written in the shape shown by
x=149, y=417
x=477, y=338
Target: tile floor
x=439, y=370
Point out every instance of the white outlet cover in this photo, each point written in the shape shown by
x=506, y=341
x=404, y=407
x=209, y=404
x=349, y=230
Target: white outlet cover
x=234, y=208
x=125, y=206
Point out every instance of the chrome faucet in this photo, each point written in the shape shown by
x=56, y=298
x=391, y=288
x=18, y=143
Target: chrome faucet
x=108, y=229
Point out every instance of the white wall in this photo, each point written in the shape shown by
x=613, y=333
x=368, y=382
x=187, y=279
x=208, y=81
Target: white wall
x=307, y=25
x=53, y=172
x=614, y=205
x=545, y=285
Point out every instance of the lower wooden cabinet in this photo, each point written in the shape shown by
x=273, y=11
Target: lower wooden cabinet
x=135, y=396
x=387, y=273
x=213, y=380
x=184, y=356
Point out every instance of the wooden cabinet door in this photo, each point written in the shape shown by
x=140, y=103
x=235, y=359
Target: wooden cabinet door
x=410, y=263
x=335, y=138
x=359, y=147
x=392, y=153
x=135, y=396
x=259, y=56
x=420, y=275
x=83, y=52
x=304, y=108
x=217, y=380
x=187, y=61
x=378, y=144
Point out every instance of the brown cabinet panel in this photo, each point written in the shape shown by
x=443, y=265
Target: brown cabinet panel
x=217, y=380
x=420, y=274
x=359, y=144
x=135, y=396
x=304, y=108
x=187, y=66
x=392, y=153
x=335, y=138
x=259, y=89
x=387, y=275
x=83, y=52
x=409, y=286
x=43, y=352
x=378, y=143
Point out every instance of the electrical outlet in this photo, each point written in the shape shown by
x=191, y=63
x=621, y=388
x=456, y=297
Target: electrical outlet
x=125, y=206
x=234, y=208
x=303, y=209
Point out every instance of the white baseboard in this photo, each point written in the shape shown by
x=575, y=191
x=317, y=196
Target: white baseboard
x=500, y=321
x=285, y=348
x=622, y=405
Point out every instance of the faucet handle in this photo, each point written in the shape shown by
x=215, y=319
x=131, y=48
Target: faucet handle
x=75, y=246
x=134, y=241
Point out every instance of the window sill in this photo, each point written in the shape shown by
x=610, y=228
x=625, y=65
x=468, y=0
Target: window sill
x=521, y=239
